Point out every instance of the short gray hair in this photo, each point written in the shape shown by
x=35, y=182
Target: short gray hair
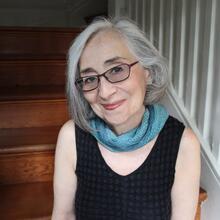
x=140, y=47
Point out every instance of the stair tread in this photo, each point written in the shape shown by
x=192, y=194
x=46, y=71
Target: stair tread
x=32, y=93
x=26, y=201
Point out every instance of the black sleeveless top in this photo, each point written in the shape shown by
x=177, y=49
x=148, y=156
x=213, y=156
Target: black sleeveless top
x=144, y=194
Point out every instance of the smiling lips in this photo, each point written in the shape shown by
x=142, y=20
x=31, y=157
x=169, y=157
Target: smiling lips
x=113, y=106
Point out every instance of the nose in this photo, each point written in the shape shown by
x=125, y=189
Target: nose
x=106, y=89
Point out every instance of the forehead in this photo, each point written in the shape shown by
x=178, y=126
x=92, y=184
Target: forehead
x=104, y=46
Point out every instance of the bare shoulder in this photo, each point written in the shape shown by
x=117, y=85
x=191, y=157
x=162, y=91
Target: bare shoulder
x=67, y=130
x=189, y=145
x=64, y=176
x=185, y=190
x=188, y=159
x=66, y=146
x=66, y=133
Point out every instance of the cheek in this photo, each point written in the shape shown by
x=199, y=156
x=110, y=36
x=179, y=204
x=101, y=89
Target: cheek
x=139, y=85
x=90, y=98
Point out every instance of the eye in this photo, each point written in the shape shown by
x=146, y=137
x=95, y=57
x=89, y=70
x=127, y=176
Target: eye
x=89, y=80
x=117, y=69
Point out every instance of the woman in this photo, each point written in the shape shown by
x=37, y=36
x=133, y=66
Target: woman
x=122, y=156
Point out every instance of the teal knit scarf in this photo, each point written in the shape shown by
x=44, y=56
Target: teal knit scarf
x=153, y=121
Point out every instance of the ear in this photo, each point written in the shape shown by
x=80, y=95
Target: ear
x=148, y=77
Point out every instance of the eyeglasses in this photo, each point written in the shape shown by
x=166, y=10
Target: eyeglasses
x=114, y=75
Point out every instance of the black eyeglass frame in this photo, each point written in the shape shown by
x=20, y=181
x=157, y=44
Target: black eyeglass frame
x=77, y=82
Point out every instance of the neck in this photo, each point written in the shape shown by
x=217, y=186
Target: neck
x=131, y=123
x=139, y=134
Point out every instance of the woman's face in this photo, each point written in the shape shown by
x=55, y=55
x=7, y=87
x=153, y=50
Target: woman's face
x=119, y=104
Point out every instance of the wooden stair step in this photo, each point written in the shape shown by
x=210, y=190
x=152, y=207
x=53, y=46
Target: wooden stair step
x=29, y=114
x=35, y=43
x=27, y=164
x=26, y=201
x=18, y=93
x=26, y=181
x=32, y=72
x=10, y=137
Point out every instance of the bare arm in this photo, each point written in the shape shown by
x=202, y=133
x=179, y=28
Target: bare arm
x=185, y=189
x=64, y=175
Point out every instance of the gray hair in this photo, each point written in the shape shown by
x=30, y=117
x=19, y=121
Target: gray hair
x=140, y=47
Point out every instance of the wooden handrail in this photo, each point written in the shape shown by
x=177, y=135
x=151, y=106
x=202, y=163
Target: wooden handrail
x=202, y=197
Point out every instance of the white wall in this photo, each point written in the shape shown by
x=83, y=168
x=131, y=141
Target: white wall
x=49, y=13
x=187, y=33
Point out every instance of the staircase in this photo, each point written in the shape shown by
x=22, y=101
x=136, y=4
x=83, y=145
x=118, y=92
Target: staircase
x=32, y=110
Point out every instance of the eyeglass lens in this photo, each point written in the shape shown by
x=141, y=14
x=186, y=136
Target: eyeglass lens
x=114, y=75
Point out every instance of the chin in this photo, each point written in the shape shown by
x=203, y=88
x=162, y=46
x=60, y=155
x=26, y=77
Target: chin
x=115, y=120
x=115, y=117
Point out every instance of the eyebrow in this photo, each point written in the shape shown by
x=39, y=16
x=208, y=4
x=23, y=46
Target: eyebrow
x=114, y=60
x=87, y=70
x=107, y=62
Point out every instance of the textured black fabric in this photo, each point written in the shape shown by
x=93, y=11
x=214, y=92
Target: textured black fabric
x=145, y=194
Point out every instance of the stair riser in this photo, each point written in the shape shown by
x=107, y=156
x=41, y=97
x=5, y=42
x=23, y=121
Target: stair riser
x=10, y=137
x=35, y=43
x=26, y=167
x=30, y=201
x=33, y=114
x=32, y=73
